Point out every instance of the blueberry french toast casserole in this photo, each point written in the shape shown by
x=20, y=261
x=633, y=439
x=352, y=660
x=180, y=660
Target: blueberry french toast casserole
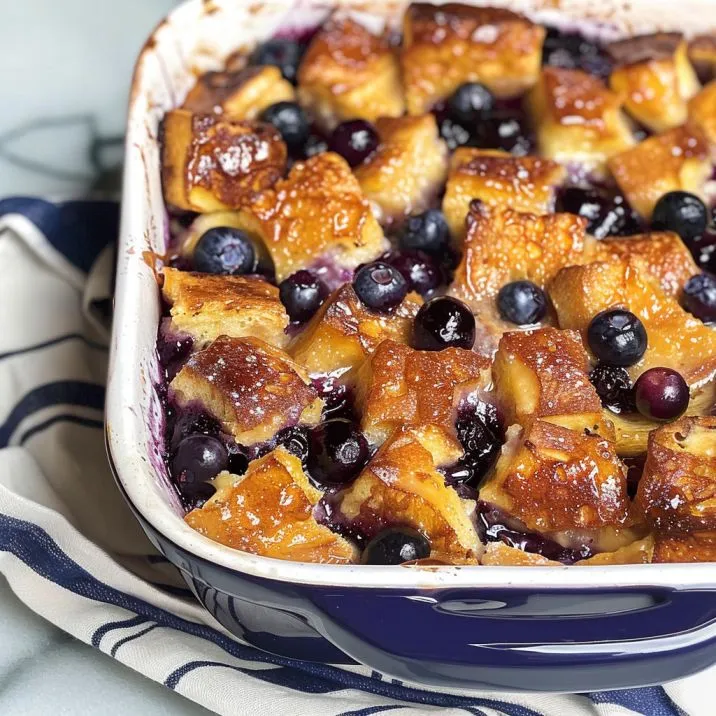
x=445, y=294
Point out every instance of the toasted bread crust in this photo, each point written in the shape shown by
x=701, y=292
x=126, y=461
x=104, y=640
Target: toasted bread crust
x=690, y=547
x=702, y=113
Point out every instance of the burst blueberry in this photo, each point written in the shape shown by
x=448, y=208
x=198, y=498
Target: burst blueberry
x=613, y=386
x=417, y=268
x=224, y=250
x=396, y=545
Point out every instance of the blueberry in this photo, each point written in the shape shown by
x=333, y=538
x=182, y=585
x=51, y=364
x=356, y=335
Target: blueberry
x=614, y=387
x=197, y=459
x=284, y=53
x=396, y=545
x=338, y=452
x=380, y=286
x=302, y=293
x=224, y=250
x=522, y=303
x=661, y=394
x=315, y=144
x=453, y=133
x=617, y=337
x=504, y=130
x=481, y=447
x=703, y=249
x=355, y=141
x=417, y=268
x=291, y=122
x=470, y=102
x=682, y=213
x=296, y=440
x=426, y=232
x=443, y=322
x=607, y=214
x=572, y=51
x=699, y=297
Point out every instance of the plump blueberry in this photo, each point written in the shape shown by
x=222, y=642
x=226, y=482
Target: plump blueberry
x=504, y=130
x=614, y=387
x=617, y=337
x=470, y=102
x=661, y=394
x=189, y=422
x=681, y=212
x=284, y=53
x=225, y=250
x=453, y=133
x=296, y=440
x=291, y=122
x=302, y=293
x=380, y=286
x=607, y=214
x=571, y=51
x=522, y=303
x=396, y=545
x=355, y=141
x=426, y=232
x=443, y=322
x=700, y=297
x=198, y=458
x=338, y=452
x=703, y=249
x=417, y=268
x=481, y=447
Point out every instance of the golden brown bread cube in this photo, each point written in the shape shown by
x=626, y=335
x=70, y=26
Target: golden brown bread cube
x=654, y=78
x=677, y=490
x=243, y=93
x=407, y=170
x=252, y=389
x=496, y=178
x=269, y=512
x=688, y=547
x=702, y=53
x=398, y=386
x=577, y=119
x=343, y=332
x=206, y=306
x=446, y=45
x=316, y=217
x=212, y=162
x=402, y=486
x=702, y=113
x=349, y=73
x=674, y=160
x=676, y=339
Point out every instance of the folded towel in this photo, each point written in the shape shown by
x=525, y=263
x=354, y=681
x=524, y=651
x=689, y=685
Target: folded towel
x=72, y=552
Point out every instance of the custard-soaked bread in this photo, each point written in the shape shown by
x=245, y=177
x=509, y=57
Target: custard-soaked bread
x=577, y=119
x=349, y=73
x=654, y=78
x=702, y=53
x=663, y=253
x=269, y=512
x=243, y=94
x=554, y=479
x=702, y=113
x=544, y=374
x=205, y=307
x=344, y=332
x=252, y=389
x=674, y=160
x=316, y=216
x=398, y=386
x=402, y=486
x=677, y=490
x=212, y=162
x=407, y=170
x=498, y=179
x=446, y=45
x=688, y=547
x=676, y=339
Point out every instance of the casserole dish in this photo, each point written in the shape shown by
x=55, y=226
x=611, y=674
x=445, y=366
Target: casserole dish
x=538, y=629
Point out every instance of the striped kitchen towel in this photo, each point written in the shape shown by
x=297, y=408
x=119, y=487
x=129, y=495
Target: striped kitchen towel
x=72, y=552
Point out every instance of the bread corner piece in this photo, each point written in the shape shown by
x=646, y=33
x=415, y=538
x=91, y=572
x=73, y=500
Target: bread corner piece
x=253, y=389
x=269, y=512
x=401, y=485
x=205, y=306
x=212, y=162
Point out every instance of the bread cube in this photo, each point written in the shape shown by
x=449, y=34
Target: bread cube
x=687, y=547
x=702, y=53
x=702, y=113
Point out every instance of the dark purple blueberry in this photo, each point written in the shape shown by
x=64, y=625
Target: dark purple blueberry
x=338, y=452
x=284, y=53
x=613, y=386
x=315, y=144
x=703, y=249
x=380, y=286
x=296, y=440
x=522, y=303
x=302, y=293
x=682, y=213
x=661, y=394
x=481, y=447
x=338, y=400
x=443, y=322
x=173, y=350
x=426, y=232
x=454, y=134
x=197, y=459
x=617, y=337
x=504, y=130
x=417, y=268
x=355, y=141
x=607, y=214
x=291, y=122
x=699, y=297
x=572, y=51
x=470, y=102
x=188, y=422
x=396, y=545
x=224, y=250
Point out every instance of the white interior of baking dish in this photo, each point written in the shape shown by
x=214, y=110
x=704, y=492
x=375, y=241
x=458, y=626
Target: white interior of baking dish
x=195, y=38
